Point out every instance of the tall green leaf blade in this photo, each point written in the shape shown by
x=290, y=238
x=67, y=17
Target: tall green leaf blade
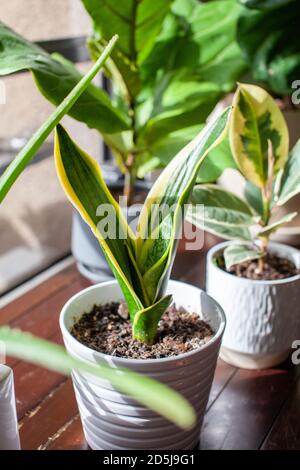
x=145, y=390
x=256, y=119
x=171, y=192
x=85, y=187
x=27, y=153
x=55, y=78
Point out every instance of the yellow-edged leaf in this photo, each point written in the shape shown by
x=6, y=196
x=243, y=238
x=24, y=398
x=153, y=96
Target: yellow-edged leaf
x=81, y=178
x=256, y=118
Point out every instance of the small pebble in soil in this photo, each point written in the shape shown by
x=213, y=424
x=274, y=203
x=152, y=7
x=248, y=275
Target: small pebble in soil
x=107, y=329
x=274, y=268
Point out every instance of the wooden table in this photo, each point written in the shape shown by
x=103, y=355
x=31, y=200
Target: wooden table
x=247, y=409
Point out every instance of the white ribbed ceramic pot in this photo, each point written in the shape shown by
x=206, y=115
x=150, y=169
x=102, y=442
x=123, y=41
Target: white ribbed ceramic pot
x=112, y=420
x=9, y=431
x=262, y=316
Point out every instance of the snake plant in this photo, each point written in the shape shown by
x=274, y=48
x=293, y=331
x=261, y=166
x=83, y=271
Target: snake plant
x=141, y=261
x=24, y=346
x=259, y=143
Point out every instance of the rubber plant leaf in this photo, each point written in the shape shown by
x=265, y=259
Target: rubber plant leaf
x=164, y=208
x=220, y=212
x=81, y=178
x=237, y=253
x=256, y=119
x=145, y=390
x=55, y=77
x=27, y=153
x=268, y=229
x=289, y=179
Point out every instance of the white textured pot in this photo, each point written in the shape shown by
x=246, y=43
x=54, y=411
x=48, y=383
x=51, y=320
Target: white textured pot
x=112, y=420
x=262, y=316
x=9, y=433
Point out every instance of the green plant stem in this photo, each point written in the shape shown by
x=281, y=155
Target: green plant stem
x=27, y=153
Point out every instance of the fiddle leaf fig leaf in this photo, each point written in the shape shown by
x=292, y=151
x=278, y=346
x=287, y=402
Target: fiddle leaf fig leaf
x=55, y=78
x=145, y=390
x=256, y=119
x=269, y=229
x=235, y=254
x=138, y=23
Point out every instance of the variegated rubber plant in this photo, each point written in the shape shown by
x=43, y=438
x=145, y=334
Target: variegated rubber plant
x=146, y=391
x=141, y=262
x=259, y=143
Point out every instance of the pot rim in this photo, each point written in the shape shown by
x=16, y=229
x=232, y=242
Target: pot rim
x=220, y=246
x=98, y=355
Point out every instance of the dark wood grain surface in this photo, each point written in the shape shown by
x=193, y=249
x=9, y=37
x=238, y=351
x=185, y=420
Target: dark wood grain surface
x=246, y=410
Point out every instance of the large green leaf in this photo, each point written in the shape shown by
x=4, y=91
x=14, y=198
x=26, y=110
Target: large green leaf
x=177, y=102
x=289, y=180
x=145, y=390
x=220, y=212
x=257, y=119
x=194, y=61
x=138, y=23
x=55, y=78
x=30, y=149
x=268, y=36
x=166, y=203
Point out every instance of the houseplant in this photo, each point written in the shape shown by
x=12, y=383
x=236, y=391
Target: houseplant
x=256, y=281
x=141, y=263
x=266, y=34
x=142, y=266
x=159, y=99
x=26, y=347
